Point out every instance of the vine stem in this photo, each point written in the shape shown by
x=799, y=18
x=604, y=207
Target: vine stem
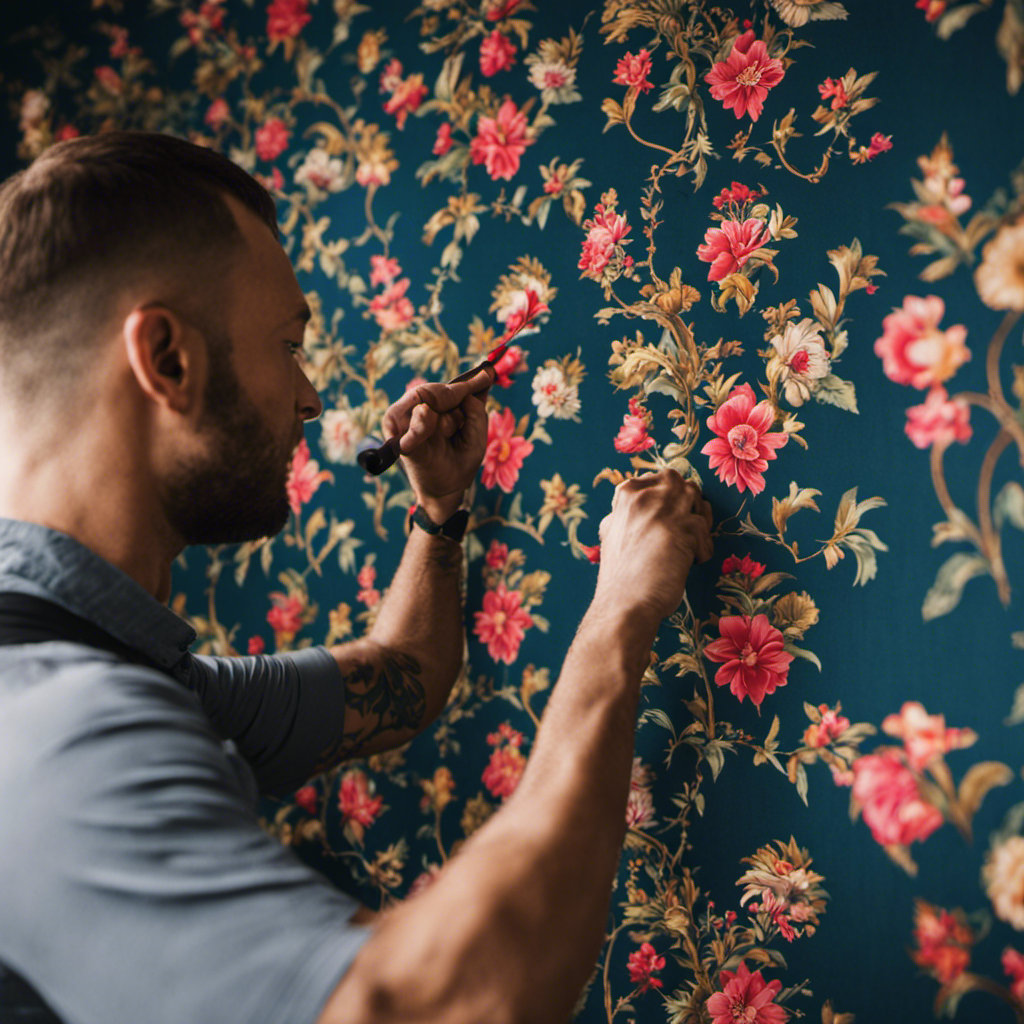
x=995, y=350
x=607, y=965
x=644, y=142
x=993, y=545
x=946, y=500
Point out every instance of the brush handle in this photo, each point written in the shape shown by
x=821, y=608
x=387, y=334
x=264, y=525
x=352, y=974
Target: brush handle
x=378, y=460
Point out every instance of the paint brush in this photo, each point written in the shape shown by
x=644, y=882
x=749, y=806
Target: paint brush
x=375, y=460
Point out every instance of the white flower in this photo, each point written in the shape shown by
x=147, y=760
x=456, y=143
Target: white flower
x=340, y=435
x=804, y=360
x=1003, y=875
x=320, y=171
x=557, y=81
x=554, y=395
x=1000, y=278
x=34, y=105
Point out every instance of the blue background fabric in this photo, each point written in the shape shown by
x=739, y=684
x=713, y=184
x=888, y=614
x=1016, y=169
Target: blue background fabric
x=379, y=827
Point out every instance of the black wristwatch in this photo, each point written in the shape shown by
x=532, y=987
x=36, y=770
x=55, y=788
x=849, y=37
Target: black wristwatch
x=454, y=527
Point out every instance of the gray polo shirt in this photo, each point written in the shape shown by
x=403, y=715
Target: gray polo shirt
x=136, y=886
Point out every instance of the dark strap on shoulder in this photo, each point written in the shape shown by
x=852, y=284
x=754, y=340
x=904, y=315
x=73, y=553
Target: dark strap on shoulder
x=26, y=619
x=20, y=1003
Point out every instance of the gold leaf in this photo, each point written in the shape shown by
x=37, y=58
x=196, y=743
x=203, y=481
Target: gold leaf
x=980, y=778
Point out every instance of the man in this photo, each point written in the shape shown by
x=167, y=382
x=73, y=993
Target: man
x=150, y=399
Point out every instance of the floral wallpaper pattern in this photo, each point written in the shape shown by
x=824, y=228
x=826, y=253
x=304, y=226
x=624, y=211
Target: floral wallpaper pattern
x=690, y=217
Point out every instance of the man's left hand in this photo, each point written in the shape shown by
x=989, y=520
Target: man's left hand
x=443, y=431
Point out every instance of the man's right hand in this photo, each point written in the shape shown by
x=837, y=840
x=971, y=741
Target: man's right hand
x=659, y=524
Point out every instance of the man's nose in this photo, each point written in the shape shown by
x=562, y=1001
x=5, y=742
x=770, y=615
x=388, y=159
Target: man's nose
x=309, y=402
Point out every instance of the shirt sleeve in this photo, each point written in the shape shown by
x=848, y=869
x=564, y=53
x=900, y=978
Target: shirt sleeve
x=280, y=710
x=138, y=885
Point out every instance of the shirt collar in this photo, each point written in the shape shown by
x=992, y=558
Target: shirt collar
x=37, y=560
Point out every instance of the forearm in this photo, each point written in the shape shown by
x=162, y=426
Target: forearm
x=525, y=902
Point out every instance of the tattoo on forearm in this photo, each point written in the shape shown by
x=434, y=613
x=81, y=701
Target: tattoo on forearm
x=383, y=695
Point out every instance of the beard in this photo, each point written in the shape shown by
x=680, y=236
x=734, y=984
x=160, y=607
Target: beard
x=237, y=491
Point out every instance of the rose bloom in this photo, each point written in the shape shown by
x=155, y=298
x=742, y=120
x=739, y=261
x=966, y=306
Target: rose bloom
x=443, y=142
x=501, y=141
x=743, y=79
x=748, y=567
x=391, y=309
x=741, y=451
x=831, y=727
x=746, y=998
x=727, y=248
x=358, y=807
x=938, y=421
x=271, y=139
x=633, y=71
x=497, y=555
x=1003, y=875
x=891, y=803
x=753, y=661
x=306, y=798
x=505, y=768
x=1000, y=277
x=383, y=270
x=497, y=53
x=218, y=113
x=1013, y=965
x=802, y=354
x=641, y=966
x=286, y=19
x=604, y=232
x=340, y=435
x=738, y=194
x=304, y=477
x=285, y=615
x=914, y=350
x=943, y=942
x=879, y=144
x=256, y=645
x=502, y=624
x=554, y=395
x=836, y=90
x=505, y=452
x=632, y=435
x=321, y=171
x=406, y=97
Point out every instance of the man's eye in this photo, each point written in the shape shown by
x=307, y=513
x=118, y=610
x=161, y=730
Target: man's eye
x=295, y=347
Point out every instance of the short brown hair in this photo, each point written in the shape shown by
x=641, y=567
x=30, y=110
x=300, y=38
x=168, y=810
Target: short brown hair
x=96, y=215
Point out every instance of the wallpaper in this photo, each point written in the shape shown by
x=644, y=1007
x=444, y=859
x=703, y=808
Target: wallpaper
x=777, y=245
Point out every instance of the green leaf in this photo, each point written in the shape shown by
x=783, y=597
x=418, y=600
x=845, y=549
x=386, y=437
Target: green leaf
x=715, y=757
x=948, y=588
x=833, y=390
x=799, y=652
x=801, y=783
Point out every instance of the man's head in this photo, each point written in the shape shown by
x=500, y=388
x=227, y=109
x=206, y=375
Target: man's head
x=142, y=254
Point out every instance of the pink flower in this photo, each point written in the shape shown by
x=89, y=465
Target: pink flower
x=836, y=90
x=304, y=477
x=933, y=9
x=497, y=555
x=741, y=451
x=500, y=142
x=879, y=144
x=746, y=998
x=632, y=435
x=912, y=348
x=738, y=194
x=831, y=727
x=391, y=309
x=505, y=768
x=256, y=645
x=925, y=737
x=524, y=308
x=286, y=616
x=642, y=964
x=286, y=19
x=443, y=142
x=1013, y=965
x=727, y=248
x=366, y=577
x=306, y=798
x=109, y=79
x=406, y=93
x=505, y=452
x=604, y=232
x=497, y=53
x=633, y=71
x=502, y=624
x=272, y=139
x=753, y=661
x=891, y=804
x=511, y=361
x=217, y=113
x=383, y=270
x=501, y=8
x=743, y=79
x=938, y=421
x=67, y=131
x=748, y=567
x=358, y=808
x=944, y=942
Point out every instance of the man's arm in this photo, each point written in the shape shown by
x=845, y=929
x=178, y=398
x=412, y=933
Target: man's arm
x=510, y=930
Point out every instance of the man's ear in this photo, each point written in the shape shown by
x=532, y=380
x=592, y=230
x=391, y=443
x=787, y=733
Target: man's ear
x=165, y=357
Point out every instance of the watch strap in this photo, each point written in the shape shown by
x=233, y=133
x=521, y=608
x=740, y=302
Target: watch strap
x=454, y=527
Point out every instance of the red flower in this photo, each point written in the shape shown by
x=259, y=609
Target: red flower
x=505, y=452
x=306, y=798
x=943, y=942
x=836, y=90
x=925, y=737
x=304, y=477
x=641, y=966
x=510, y=362
x=502, y=624
x=505, y=768
x=391, y=309
x=727, y=248
x=497, y=555
x=217, y=113
x=497, y=53
x=914, y=350
x=67, y=131
x=443, y=142
x=747, y=998
x=500, y=142
x=405, y=99
x=1013, y=965
x=593, y=553
x=741, y=451
x=272, y=139
x=256, y=645
x=754, y=663
x=286, y=615
x=109, y=79
x=632, y=435
x=604, y=232
x=358, y=808
x=383, y=270
x=933, y=9
x=891, y=804
x=879, y=144
x=747, y=566
x=738, y=194
x=366, y=577
x=743, y=79
x=831, y=727
x=525, y=308
x=286, y=19
x=633, y=71
x=501, y=8
x=938, y=421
